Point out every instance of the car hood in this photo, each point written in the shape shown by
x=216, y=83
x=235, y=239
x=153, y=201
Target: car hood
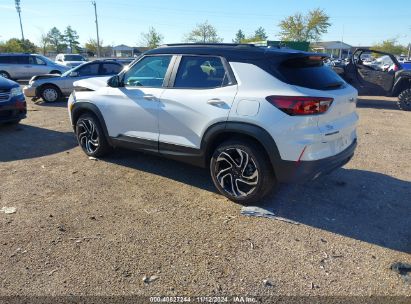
x=45, y=76
x=7, y=83
x=92, y=83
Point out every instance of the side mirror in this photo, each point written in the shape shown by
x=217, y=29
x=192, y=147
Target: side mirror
x=73, y=74
x=60, y=60
x=114, y=82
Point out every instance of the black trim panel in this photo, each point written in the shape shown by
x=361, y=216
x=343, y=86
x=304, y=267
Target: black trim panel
x=135, y=143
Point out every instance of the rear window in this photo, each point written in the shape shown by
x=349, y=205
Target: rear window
x=14, y=59
x=309, y=72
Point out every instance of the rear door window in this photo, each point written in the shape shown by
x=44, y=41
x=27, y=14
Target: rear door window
x=201, y=72
x=309, y=72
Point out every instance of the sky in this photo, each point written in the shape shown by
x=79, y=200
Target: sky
x=358, y=23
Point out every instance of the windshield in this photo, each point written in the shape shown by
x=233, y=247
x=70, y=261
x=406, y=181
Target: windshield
x=74, y=58
x=69, y=71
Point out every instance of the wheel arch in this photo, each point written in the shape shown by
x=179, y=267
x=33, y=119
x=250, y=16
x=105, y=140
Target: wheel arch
x=218, y=133
x=83, y=107
x=400, y=85
x=39, y=89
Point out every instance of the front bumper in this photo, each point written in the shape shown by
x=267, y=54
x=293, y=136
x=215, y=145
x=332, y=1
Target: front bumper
x=294, y=171
x=12, y=110
x=29, y=91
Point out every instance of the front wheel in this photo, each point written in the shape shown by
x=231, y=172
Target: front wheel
x=50, y=93
x=90, y=136
x=404, y=100
x=241, y=172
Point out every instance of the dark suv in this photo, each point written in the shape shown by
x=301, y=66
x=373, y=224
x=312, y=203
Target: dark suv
x=382, y=77
x=12, y=102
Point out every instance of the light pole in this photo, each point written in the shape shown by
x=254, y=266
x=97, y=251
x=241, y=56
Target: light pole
x=19, y=11
x=98, y=38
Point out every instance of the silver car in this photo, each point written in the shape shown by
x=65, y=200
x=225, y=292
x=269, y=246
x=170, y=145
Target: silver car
x=24, y=66
x=53, y=87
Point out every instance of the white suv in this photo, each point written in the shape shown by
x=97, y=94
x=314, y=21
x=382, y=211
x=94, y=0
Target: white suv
x=70, y=60
x=254, y=116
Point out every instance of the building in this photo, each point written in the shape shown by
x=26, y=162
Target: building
x=336, y=49
x=123, y=50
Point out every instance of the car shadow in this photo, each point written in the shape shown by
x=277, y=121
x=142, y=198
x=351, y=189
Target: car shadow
x=57, y=104
x=359, y=204
x=363, y=205
x=377, y=103
x=24, y=142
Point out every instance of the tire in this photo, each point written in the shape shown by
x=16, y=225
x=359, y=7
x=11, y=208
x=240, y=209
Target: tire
x=50, y=93
x=55, y=72
x=90, y=136
x=242, y=161
x=404, y=100
x=14, y=122
x=4, y=74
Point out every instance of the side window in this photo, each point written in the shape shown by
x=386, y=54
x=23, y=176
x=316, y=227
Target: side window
x=148, y=72
x=110, y=69
x=201, y=72
x=88, y=70
x=5, y=59
x=36, y=60
x=20, y=59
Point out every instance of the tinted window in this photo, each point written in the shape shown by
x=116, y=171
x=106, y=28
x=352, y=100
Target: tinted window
x=14, y=59
x=310, y=73
x=74, y=58
x=200, y=72
x=88, y=70
x=148, y=72
x=110, y=69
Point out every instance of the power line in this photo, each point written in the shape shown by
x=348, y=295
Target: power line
x=19, y=11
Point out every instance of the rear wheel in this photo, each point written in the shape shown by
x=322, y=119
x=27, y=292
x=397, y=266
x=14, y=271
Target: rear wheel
x=90, y=136
x=4, y=74
x=404, y=100
x=50, y=93
x=241, y=172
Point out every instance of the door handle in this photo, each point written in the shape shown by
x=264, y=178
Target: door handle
x=216, y=102
x=150, y=97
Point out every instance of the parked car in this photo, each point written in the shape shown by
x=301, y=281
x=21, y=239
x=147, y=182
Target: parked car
x=51, y=87
x=70, y=60
x=264, y=116
x=389, y=78
x=13, y=106
x=24, y=66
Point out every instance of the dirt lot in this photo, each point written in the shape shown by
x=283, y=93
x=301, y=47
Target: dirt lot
x=89, y=227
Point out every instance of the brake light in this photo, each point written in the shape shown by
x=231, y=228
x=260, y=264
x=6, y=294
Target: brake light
x=300, y=105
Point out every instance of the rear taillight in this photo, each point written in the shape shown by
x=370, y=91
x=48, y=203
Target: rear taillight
x=300, y=105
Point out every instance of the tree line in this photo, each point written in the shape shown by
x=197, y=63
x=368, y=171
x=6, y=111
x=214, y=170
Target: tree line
x=298, y=27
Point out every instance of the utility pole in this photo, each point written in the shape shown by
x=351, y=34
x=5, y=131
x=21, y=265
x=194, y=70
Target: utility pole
x=19, y=11
x=98, y=38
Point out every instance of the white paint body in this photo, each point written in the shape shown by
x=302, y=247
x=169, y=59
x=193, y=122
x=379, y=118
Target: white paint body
x=182, y=116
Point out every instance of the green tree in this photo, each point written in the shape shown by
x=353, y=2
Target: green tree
x=204, y=33
x=260, y=34
x=71, y=38
x=307, y=27
x=56, y=39
x=152, y=38
x=91, y=45
x=15, y=45
x=390, y=46
x=239, y=37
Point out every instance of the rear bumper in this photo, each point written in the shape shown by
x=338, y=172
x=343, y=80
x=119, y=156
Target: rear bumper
x=15, y=109
x=293, y=171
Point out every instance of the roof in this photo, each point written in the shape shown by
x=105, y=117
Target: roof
x=329, y=45
x=230, y=51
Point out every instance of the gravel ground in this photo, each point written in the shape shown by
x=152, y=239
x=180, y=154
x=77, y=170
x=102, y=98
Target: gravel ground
x=88, y=227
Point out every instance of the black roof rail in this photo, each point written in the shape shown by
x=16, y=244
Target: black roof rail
x=209, y=44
